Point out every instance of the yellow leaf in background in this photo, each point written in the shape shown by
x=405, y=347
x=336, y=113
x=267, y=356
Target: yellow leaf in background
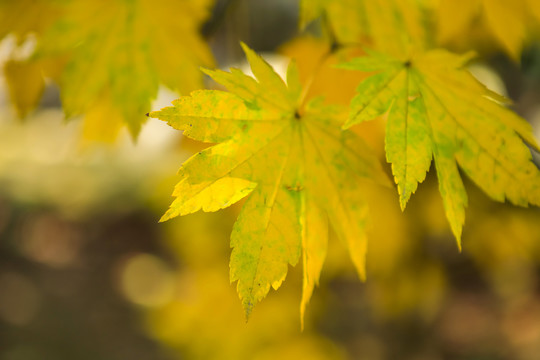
x=305, y=168
x=26, y=85
x=507, y=242
x=534, y=7
x=24, y=17
x=454, y=16
x=27, y=20
x=102, y=122
x=26, y=81
x=436, y=108
x=205, y=307
x=309, y=11
x=506, y=22
x=316, y=64
x=388, y=25
x=118, y=53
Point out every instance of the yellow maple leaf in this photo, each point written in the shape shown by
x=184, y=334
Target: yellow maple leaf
x=295, y=163
x=437, y=109
x=118, y=52
x=506, y=22
x=321, y=77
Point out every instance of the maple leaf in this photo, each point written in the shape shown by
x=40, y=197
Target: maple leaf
x=437, y=109
x=113, y=56
x=506, y=21
x=295, y=163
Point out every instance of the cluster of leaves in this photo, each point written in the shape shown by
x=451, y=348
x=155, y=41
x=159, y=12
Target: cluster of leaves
x=299, y=168
x=277, y=143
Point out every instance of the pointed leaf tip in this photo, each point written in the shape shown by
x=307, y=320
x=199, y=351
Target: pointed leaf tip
x=205, y=70
x=245, y=47
x=248, y=308
x=348, y=123
x=402, y=203
x=164, y=218
x=458, y=241
x=154, y=114
x=362, y=275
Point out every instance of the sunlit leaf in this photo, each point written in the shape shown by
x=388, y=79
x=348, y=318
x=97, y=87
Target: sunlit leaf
x=304, y=167
x=437, y=109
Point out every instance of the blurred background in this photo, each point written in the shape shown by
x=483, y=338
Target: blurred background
x=87, y=272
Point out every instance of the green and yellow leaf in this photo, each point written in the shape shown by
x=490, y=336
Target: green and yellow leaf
x=437, y=109
x=296, y=166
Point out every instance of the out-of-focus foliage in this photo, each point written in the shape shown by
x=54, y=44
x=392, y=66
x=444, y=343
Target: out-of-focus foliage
x=40, y=163
x=25, y=17
x=391, y=25
x=466, y=23
x=193, y=318
x=318, y=72
x=386, y=25
x=108, y=57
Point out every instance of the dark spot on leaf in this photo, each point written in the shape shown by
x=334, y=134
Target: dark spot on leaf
x=294, y=188
x=147, y=114
x=407, y=64
x=251, y=105
x=297, y=115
